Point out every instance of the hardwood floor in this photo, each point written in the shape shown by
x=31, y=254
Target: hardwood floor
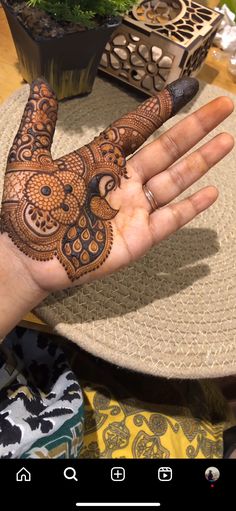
x=10, y=77
x=214, y=70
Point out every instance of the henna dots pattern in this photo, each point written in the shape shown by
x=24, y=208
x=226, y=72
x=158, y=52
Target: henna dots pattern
x=57, y=208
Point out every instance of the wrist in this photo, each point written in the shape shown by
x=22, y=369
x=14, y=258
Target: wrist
x=19, y=292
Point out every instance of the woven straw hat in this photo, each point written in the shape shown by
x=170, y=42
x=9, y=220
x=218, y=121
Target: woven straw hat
x=173, y=313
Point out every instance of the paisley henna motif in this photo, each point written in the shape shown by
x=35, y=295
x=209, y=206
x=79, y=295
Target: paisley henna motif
x=60, y=208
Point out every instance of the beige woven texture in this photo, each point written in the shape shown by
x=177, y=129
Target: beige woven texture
x=173, y=313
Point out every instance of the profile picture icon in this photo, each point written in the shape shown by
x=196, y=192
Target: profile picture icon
x=212, y=474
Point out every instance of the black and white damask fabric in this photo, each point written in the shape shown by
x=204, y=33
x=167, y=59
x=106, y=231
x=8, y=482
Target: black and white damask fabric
x=41, y=403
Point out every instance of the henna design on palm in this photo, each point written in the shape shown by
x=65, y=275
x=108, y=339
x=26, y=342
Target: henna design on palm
x=60, y=208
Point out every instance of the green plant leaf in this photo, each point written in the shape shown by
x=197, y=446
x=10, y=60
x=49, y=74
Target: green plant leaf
x=84, y=11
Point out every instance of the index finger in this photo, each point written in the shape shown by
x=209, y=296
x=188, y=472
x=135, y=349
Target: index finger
x=180, y=138
x=131, y=130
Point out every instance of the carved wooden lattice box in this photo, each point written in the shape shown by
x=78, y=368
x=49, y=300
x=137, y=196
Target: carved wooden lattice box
x=160, y=41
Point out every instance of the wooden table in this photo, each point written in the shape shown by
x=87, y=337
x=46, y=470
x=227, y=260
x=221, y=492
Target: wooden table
x=214, y=71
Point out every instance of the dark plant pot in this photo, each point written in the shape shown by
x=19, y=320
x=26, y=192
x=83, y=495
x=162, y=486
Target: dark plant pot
x=69, y=63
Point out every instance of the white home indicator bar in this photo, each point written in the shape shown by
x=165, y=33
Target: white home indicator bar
x=118, y=504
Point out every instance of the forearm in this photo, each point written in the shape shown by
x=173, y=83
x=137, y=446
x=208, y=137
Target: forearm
x=18, y=291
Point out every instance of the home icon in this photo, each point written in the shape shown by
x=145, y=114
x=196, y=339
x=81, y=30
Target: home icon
x=23, y=475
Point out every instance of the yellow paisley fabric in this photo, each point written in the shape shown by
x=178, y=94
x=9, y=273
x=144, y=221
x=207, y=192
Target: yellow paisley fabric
x=133, y=415
x=130, y=428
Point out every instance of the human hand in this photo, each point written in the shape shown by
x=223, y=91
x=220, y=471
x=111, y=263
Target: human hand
x=85, y=215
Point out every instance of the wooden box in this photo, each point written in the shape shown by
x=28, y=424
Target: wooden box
x=160, y=41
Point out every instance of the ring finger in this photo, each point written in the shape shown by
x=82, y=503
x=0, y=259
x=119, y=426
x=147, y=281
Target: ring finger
x=169, y=184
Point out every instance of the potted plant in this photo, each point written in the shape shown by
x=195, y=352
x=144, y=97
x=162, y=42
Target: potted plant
x=63, y=40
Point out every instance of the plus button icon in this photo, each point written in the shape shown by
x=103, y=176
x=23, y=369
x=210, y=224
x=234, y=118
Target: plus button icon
x=117, y=474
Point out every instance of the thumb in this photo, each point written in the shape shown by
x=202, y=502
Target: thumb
x=34, y=137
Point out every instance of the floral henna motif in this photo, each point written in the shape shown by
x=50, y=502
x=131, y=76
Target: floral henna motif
x=60, y=208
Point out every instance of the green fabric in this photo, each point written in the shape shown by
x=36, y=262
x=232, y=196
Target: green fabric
x=66, y=443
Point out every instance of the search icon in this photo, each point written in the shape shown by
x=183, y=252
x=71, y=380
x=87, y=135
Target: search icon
x=70, y=473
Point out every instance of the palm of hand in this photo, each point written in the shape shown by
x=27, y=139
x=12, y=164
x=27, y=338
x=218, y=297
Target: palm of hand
x=67, y=208
x=85, y=214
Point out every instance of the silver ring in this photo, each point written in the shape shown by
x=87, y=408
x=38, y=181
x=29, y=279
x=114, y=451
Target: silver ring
x=150, y=197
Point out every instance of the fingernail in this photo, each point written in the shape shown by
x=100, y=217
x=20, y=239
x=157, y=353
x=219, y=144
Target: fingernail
x=182, y=91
